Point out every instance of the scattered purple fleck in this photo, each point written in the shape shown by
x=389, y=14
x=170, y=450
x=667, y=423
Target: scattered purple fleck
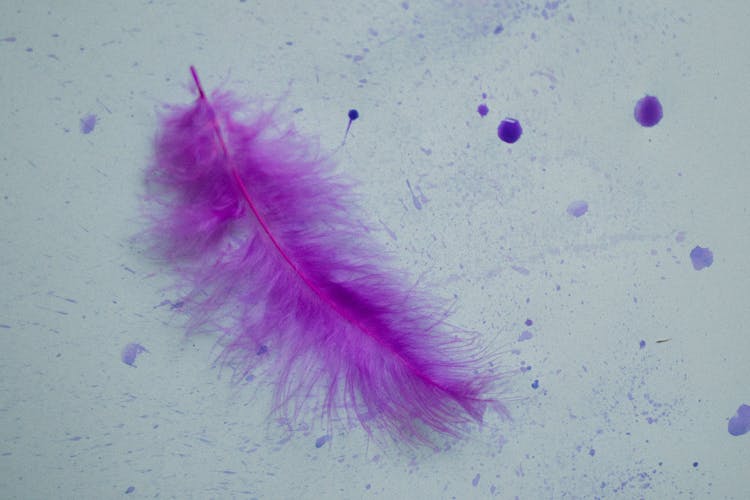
x=131, y=352
x=695, y=464
x=528, y=322
x=592, y=452
x=648, y=111
x=130, y=490
x=701, y=257
x=578, y=208
x=322, y=440
x=535, y=384
x=9, y=39
x=642, y=343
x=88, y=123
x=680, y=237
x=482, y=109
x=475, y=481
x=525, y=335
x=498, y=29
x=509, y=130
x=739, y=424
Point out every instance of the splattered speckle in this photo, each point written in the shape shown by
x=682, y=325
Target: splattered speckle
x=578, y=208
x=642, y=344
x=701, y=257
x=322, y=440
x=509, y=130
x=482, y=109
x=695, y=464
x=9, y=39
x=131, y=352
x=88, y=123
x=528, y=322
x=498, y=29
x=739, y=424
x=592, y=452
x=535, y=384
x=648, y=111
x=130, y=490
x=525, y=335
x=475, y=481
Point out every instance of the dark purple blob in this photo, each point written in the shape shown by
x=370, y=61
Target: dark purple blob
x=130, y=490
x=701, y=257
x=739, y=424
x=535, y=384
x=475, y=481
x=642, y=343
x=578, y=208
x=482, y=109
x=322, y=440
x=261, y=350
x=130, y=352
x=592, y=452
x=88, y=123
x=509, y=130
x=695, y=464
x=528, y=322
x=353, y=114
x=525, y=335
x=498, y=29
x=9, y=39
x=648, y=111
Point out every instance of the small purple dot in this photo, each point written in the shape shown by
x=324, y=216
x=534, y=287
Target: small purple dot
x=695, y=464
x=353, y=114
x=528, y=322
x=578, y=208
x=592, y=452
x=482, y=109
x=509, y=130
x=535, y=384
x=701, y=257
x=642, y=343
x=648, y=111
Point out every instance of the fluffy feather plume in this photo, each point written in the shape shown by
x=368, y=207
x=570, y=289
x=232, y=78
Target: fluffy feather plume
x=264, y=237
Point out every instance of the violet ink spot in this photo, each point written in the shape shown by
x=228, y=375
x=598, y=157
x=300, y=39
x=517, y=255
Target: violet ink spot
x=739, y=424
x=592, y=452
x=509, y=130
x=701, y=257
x=131, y=352
x=130, y=490
x=528, y=322
x=695, y=464
x=10, y=39
x=498, y=29
x=482, y=109
x=475, y=481
x=525, y=335
x=88, y=123
x=648, y=111
x=353, y=114
x=578, y=208
x=535, y=384
x=680, y=237
x=322, y=440
x=642, y=344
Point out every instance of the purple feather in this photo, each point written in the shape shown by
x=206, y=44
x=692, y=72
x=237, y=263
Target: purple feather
x=264, y=237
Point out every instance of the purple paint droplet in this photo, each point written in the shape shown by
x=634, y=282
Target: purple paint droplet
x=528, y=322
x=525, y=335
x=322, y=440
x=695, y=464
x=739, y=424
x=509, y=130
x=10, y=39
x=130, y=490
x=88, y=123
x=131, y=352
x=498, y=29
x=680, y=237
x=701, y=257
x=482, y=109
x=535, y=384
x=648, y=111
x=592, y=452
x=578, y=208
x=642, y=343
x=475, y=481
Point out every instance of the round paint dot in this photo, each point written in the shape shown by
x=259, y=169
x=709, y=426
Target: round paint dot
x=642, y=344
x=648, y=111
x=701, y=257
x=509, y=130
x=482, y=109
x=578, y=208
x=353, y=114
x=535, y=384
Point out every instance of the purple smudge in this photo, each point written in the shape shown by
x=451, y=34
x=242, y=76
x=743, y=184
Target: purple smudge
x=130, y=352
x=642, y=344
x=521, y=270
x=509, y=130
x=695, y=464
x=680, y=237
x=525, y=335
x=88, y=123
x=475, y=481
x=482, y=109
x=648, y=111
x=322, y=440
x=498, y=29
x=739, y=424
x=130, y=490
x=701, y=257
x=535, y=384
x=528, y=322
x=9, y=39
x=592, y=452
x=578, y=208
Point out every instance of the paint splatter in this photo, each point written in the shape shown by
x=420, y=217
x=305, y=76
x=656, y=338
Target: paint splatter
x=525, y=335
x=648, y=111
x=482, y=109
x=130, y=490
x=642, y=344
x=739, y=424
x=701, y=257
x=592, y=452
x=353, y=114
x=578, y=208
x=498, y=29
x=535, y=384
x=131, y=352
x=475, y=481
x=88, y=123
x=9, y=39
x=322, y=440
x=528, y=322
x=509, y=130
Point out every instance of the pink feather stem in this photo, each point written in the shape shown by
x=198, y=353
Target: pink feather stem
x=263, y=234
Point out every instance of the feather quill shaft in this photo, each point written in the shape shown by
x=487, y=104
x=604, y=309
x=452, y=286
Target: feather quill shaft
x=264, y=236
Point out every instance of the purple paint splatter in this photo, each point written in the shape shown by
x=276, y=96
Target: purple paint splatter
x=482, y=109
x=322, y=440
x=475, y=481
x=509, y=130
x=88, y=123
x=648, y=111
x=130, y=490
x=578, y=208
x=535, y=384
x=642, y=344
x=525, y=335
x=739, y=424
x=528, y=322
x=701, y=257
x=131, y=352
x=592, y=452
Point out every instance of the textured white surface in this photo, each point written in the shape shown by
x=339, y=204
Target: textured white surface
x=491, y=229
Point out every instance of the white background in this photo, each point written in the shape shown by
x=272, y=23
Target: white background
x=76, y=422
